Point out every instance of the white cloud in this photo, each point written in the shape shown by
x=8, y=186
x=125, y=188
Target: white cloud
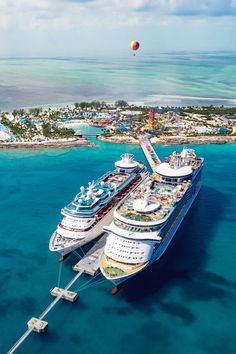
x=73, y=13
x=51, y=23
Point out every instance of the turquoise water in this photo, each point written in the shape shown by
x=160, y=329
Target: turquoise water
x=167, y=78
x=87, y=129
x=184, y=304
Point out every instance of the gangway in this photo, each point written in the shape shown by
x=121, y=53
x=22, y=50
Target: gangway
x=40, y=318
x=149, y=152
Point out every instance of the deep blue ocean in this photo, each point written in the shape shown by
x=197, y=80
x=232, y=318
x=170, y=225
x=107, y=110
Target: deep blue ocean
x=183, y=304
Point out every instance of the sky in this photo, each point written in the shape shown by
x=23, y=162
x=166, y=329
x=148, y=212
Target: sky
x=95, y=27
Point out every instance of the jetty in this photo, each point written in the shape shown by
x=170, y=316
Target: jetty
x=37, y=324
x=88, y=264
x=149, y=152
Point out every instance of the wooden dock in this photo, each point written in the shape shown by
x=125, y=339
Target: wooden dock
x=89, y=264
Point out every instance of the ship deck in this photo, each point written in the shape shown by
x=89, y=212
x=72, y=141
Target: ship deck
x=114, y=269
x=165, y=194
x=101, y=189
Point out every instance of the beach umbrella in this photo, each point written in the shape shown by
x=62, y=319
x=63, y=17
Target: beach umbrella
x=134, y=45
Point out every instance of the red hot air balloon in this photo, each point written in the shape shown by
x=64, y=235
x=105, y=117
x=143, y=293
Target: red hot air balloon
x=134, y=45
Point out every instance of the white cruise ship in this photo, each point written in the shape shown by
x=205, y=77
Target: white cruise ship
x=147, y=219
x=84, y=218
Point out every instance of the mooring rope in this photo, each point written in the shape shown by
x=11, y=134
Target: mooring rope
x=89, y=281
x=98, y=282
x=77, y=255
x=59, y=275
x=82, y=251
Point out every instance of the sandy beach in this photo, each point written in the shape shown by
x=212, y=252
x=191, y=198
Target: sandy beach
x=74, y=124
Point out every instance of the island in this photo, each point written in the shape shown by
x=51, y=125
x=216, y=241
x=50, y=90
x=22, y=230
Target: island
x=37, y=128
x=119, y=122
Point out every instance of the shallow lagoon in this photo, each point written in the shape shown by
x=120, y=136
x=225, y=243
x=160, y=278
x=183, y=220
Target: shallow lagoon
x=163, y=79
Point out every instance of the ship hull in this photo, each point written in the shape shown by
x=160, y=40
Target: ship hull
x=173, y=226
x=94, y=233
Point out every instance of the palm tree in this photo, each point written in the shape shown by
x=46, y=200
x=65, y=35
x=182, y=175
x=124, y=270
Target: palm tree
x=121, y=103
x=84, y=105
x=14, y=112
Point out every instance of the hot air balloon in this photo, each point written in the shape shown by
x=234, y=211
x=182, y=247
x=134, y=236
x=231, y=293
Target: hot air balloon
x=134, y=45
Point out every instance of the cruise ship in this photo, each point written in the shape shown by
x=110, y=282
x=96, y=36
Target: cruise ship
x=146, y=221
x=93, y=207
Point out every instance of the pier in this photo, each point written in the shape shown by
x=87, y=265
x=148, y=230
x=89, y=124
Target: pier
x=150, y=154
x=89, y=264
x=37, y=324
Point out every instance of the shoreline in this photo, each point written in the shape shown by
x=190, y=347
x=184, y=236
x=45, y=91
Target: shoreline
x=47, y=144
x=148, y=100
x=119, y=140
x=173, y=140
x=82, y=142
